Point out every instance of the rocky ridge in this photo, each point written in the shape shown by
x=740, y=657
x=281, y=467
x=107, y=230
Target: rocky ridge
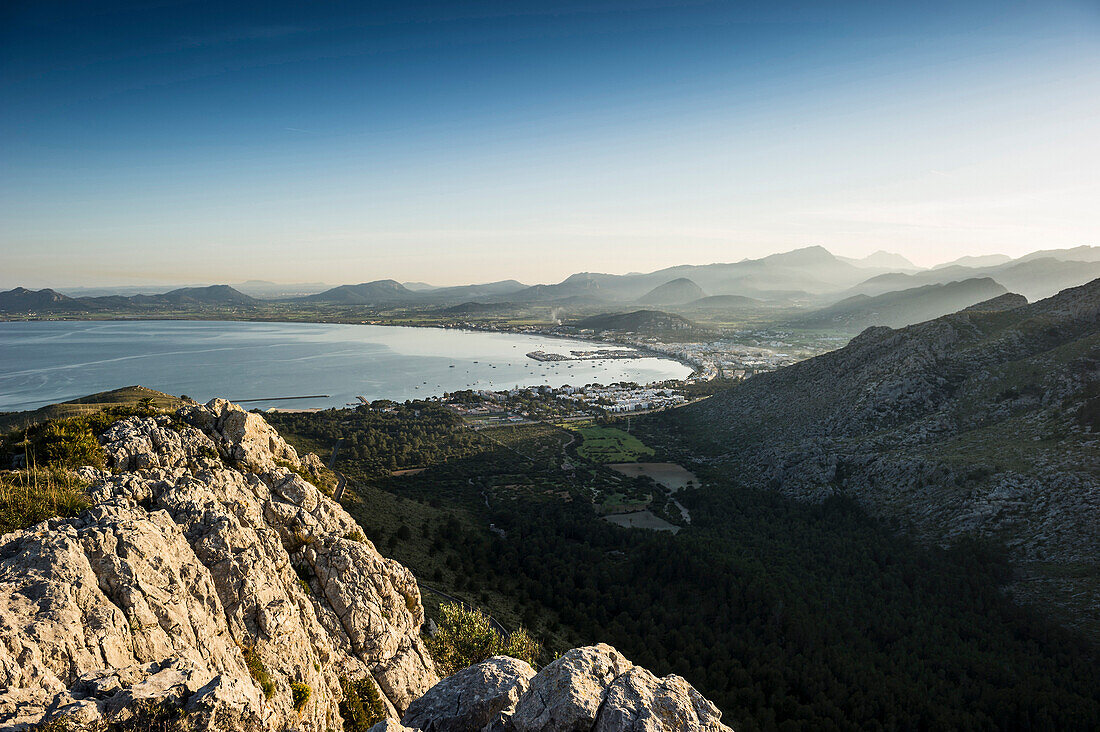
x=212, y=575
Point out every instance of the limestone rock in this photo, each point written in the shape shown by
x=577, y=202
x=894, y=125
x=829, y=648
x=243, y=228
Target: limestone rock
x=202, y=547
x=567, y=694
x=591, y=689
x=471, y=698
x=388, y=725
x=640, y=702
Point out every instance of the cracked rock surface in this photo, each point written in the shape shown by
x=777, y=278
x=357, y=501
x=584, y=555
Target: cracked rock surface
x=590, y=689
x=204, y=542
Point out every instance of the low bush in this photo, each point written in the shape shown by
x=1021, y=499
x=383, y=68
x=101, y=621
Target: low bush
x=466, y=636
x=300, y=693
x=362, y=706
x=258, y=670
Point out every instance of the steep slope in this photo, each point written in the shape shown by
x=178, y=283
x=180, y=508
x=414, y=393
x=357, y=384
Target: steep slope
x=674, y=292
x=898, y=309
x=968, y=424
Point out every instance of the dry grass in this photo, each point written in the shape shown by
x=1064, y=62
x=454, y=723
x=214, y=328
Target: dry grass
x=28, y=497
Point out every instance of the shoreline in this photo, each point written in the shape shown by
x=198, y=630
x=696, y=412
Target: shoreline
x=645, y=353
x=695, y=367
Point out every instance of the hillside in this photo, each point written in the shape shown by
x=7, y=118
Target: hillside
x=21, y=300
x=639, y=321
x=379, y=292
x=675, y=292
x=212, y=295
x=124, y=397
x=1034, y=278
x=975, y=423
x=1007, y=301
x=210, y=583
x=898, y=309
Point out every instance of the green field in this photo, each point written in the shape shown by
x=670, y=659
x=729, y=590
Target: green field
x=610, y=445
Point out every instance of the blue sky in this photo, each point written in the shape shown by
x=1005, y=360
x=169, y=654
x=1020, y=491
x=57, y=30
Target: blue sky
x=167, y=142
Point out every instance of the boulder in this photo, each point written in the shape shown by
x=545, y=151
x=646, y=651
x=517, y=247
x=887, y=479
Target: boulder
x=471, y=698
x=567, y=694
x=639, y=701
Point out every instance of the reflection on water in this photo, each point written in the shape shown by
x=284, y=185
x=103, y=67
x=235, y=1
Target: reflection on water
x=42, y=363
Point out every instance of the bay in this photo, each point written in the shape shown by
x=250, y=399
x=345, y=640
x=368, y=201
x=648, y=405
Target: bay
x=51, y=361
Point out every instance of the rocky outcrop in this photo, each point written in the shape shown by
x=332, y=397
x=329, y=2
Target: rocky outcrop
x=591, y=689
x=472, y=698
x=567, y=694
x=209, y=575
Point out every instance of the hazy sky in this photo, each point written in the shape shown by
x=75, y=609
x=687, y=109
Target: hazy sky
x=466, y=142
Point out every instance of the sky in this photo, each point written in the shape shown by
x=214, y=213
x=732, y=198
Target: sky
x=457, y=142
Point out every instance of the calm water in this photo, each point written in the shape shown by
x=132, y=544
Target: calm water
x=43, y=363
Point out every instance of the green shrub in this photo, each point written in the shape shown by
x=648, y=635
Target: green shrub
x=300, y=693
x=30, y=497
x=522, y=645
x=362, y=706
x=466, y=637
x=68, y=443
x=258, y=670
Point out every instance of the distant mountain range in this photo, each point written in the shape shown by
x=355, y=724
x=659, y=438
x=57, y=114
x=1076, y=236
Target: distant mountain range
x=1033, y=277
x=811, y=277
x=904, y=307
x=22, y=300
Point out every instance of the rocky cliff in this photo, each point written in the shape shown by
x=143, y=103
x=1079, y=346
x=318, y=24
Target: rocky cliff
x=213, y=576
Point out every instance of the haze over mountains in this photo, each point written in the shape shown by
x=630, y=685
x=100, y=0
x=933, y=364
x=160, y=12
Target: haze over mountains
x=22, y=300
x=835, y=292
x=809, y=275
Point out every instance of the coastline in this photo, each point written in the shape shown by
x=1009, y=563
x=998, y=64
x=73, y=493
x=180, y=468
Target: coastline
x=610, y=372
x=695, y=367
